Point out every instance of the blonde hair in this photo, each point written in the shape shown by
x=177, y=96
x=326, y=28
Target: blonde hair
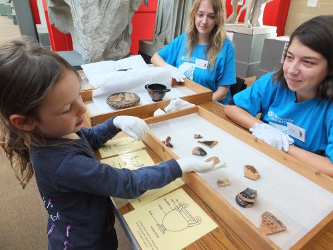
x=27, y=74
x=217, y=35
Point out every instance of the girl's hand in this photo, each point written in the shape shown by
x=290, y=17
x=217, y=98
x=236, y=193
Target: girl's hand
x=132, y=126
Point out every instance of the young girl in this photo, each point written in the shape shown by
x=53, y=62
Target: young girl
x=41, y=113
x=296, y=99
x=203, y=54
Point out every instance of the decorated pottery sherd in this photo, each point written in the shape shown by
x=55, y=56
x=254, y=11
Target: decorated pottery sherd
x=197, y=136
x=223, y=183
x=270, y=224
x=251, y=172
x=208, y=143
x=199, y=151
x=167, y=142
x=213, y=158
x=248, y=195
x=242, y=203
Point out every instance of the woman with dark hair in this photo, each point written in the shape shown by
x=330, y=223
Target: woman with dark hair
x=295, y=102
x=203, y=54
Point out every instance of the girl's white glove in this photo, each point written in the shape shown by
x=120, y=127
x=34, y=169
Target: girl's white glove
x=175, y=73
x=132, y=126
x=188, y=164
x=272, y=136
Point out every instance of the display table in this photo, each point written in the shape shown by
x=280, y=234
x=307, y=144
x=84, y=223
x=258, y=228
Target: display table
x=224, y=237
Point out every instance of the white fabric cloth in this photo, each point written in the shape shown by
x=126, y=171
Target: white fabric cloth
x=177, y=104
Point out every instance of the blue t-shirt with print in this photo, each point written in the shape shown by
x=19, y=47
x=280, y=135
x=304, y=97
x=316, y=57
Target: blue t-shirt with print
x=223, y=74
x=278, y=106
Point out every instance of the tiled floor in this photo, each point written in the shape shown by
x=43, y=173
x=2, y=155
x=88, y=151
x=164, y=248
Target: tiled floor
x=8, y=30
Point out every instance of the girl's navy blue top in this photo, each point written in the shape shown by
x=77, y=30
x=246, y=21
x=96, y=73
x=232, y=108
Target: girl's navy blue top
x=76, y=188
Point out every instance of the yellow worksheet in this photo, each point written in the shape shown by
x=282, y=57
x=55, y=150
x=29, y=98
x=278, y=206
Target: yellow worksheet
x=132, y=160
x=169, y=222
x=151, y=195
x=119, y=146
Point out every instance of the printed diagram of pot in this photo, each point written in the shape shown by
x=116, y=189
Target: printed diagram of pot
x=178, y=219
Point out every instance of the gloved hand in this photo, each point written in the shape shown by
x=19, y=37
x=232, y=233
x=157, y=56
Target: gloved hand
x=132, y=126
x=175, y=73
x=188, y=164
x=272, y=136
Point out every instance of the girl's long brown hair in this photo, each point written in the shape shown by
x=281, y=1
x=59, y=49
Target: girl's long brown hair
x=27, y=74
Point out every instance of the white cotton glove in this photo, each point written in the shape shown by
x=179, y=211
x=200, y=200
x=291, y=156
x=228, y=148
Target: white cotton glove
x=188, y=164
x=175, y=73
x=132, y=126
x=272, y=136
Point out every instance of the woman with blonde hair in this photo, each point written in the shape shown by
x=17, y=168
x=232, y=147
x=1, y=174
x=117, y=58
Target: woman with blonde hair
x=203, y=54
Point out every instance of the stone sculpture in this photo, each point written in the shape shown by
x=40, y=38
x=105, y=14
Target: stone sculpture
x=253, y=15
x=100, y=30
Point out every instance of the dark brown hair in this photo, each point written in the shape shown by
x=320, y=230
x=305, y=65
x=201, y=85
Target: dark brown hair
x=316, y=34
x=27, y=73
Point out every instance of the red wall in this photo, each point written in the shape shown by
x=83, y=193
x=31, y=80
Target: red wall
x=143, y=23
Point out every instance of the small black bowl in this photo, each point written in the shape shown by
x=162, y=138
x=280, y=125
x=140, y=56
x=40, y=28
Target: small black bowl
x=156, y=91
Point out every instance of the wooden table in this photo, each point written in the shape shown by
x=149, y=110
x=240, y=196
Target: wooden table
x=223, y=237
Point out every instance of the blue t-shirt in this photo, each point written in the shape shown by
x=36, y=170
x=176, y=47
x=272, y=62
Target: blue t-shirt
x=223, y=74
x=278, y=106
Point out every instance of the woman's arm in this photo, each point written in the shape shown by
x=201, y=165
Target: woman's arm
x=321, y=163
x=241, y=116
x=220, y=93
x=157, y=60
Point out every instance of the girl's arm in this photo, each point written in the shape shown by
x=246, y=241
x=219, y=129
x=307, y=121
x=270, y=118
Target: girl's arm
x=157, y=60
x=241, y=116
x=220, y=93
x=321, y=163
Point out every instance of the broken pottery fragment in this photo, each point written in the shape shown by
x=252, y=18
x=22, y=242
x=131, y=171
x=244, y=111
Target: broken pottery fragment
x=213, y=158
x=242, y=203
x=251, y=172
x=167, y=142
x=248, y=195
x=208, y=143
x=199, y=151
x=197, y=136
x=270, y=224
x=223, y=183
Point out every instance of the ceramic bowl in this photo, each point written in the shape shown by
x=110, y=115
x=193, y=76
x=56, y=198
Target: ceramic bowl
x=156, y=91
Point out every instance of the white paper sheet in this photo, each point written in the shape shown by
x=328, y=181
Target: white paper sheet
x=98, y=73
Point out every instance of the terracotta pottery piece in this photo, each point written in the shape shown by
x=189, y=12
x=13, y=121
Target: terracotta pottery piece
x=251, y=172
x=197, y=136
x=270, y=224
x=167, y=142
x=208, y=143
x=223, y=183
x=248, y=195
x=213, y=158
x=242, y=203
x=199, y=151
